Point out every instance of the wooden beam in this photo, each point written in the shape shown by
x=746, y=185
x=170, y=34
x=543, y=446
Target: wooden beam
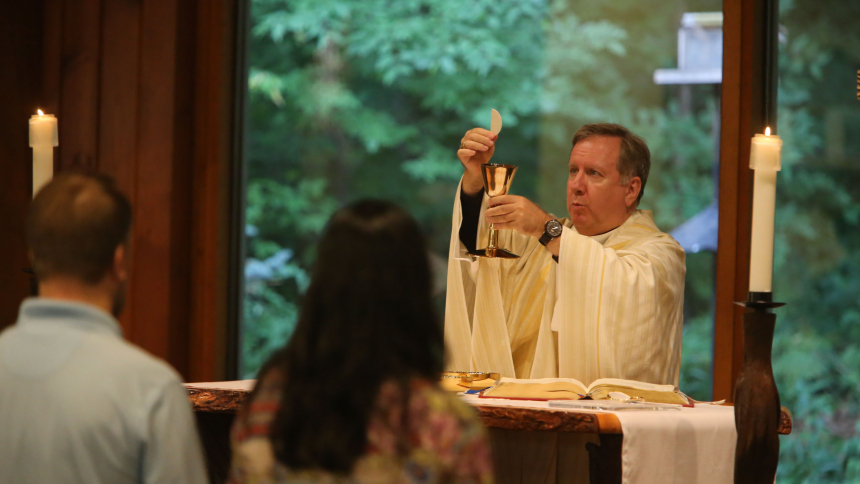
x=727, y=240
x=215, y=111
x=742, y=115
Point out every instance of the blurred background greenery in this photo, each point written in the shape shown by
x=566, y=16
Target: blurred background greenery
x=353, y=99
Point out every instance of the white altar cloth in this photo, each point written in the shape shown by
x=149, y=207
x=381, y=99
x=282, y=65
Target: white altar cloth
x=693, y=445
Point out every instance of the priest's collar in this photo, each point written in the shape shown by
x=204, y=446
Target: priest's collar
x=602, y=238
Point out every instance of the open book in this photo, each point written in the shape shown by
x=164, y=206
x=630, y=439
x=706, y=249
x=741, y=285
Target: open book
x=571, y=389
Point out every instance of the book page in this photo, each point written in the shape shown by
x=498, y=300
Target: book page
x=599, y=390
x=537, y=389
x=641, y=385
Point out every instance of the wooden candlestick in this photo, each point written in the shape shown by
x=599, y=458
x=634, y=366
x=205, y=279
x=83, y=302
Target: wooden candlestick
x=757, y=410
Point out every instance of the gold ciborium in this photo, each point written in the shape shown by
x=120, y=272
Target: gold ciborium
x=497, y=181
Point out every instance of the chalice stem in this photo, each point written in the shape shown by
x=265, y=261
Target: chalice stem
x=493, y=237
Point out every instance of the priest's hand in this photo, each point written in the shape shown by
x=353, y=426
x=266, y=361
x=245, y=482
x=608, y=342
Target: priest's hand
x=518, y=213
x=476, y=148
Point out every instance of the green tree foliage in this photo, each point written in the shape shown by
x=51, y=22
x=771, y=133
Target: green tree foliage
x=817, y=253
x=352, y=99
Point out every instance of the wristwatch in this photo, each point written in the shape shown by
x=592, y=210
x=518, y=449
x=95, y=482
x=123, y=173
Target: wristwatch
x=551, y=230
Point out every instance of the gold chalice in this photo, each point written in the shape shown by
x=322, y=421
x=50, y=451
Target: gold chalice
x=497, y=181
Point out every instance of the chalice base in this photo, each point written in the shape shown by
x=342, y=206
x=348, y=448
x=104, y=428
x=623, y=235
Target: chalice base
x=494, y=253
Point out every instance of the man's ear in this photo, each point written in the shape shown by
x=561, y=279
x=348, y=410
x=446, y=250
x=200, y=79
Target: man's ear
x=119, y=269
x=633, y=189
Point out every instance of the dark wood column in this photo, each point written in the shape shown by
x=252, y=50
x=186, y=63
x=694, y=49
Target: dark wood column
x=144, y=91
x=20, y=94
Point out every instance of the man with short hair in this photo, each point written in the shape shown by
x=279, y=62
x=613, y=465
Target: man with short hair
x=599, y=295
x=79, y=404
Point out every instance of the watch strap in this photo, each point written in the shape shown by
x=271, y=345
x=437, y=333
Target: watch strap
x=547, y=237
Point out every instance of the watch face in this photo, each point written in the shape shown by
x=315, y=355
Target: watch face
x=553, y=228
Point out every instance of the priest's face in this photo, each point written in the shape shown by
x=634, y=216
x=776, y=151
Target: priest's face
x=596, y=199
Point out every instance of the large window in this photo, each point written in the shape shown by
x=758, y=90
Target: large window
x=355, y=99
x=816, y=351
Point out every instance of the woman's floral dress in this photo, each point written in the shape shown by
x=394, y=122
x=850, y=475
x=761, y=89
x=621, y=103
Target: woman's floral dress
x=446, y=442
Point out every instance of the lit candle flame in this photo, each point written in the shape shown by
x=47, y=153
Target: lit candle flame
x=767, y=131
x=40, y=112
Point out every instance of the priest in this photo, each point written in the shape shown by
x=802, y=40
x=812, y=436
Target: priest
x=596, y=295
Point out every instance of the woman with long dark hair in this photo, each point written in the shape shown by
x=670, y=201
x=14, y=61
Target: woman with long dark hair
x=352, y=397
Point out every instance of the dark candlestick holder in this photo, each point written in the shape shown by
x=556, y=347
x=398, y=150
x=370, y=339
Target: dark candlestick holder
x=757, y=410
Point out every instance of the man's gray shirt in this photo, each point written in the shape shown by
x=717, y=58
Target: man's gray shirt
x=80, y=404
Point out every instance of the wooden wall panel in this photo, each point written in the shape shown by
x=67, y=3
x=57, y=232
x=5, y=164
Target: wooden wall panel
x=184, y=171
x=118, y=110
x=144, y=91
x=154, y=182
x=79, y=83
x=51, y=58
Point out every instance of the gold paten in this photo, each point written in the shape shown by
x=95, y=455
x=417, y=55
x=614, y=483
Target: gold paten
x=468, y=380
x=497, y=181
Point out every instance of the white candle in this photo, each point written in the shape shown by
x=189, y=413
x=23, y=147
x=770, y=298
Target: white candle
x=43, y=138
x=765, y=160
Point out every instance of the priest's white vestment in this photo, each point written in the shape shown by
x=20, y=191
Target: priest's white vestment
x=611, y=307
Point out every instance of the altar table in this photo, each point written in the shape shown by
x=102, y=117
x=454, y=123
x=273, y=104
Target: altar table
x=215, y=405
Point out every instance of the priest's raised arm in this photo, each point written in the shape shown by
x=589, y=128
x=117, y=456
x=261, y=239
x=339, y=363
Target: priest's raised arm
x=599, y=295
